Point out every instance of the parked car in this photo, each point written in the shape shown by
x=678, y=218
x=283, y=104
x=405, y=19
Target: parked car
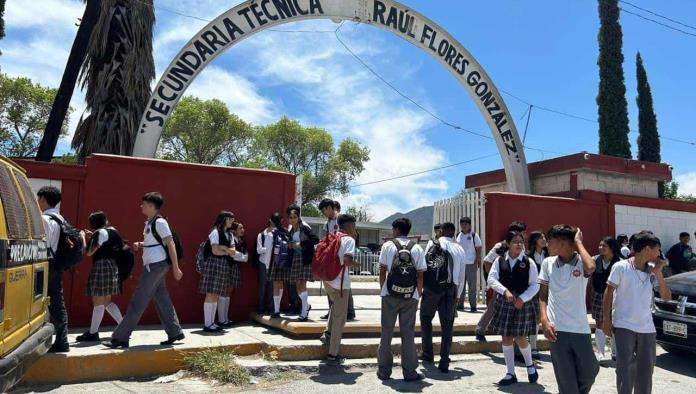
x=25, y=333
x=675, y=319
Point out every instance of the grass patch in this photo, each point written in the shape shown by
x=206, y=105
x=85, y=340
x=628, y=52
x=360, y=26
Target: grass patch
x=220, y=365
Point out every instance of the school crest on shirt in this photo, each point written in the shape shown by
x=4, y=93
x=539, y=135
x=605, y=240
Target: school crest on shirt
x=576, y=273
x=523, y=264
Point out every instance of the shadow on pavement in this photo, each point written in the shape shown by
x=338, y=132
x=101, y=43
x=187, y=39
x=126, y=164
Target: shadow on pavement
x=335, y=375
x=523, y=387
x=403, y=386
x=432, y=372
x=679, y=363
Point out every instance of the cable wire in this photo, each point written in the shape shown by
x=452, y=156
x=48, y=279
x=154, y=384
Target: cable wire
x=658, y=22
x=658, y=15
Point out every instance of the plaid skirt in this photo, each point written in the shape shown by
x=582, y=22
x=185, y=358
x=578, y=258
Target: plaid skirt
x=597, y=306
x=215, y=278
x=537, y=307
x=511, y=322
x=296, y=272
x=235, y=276
x=103, y=278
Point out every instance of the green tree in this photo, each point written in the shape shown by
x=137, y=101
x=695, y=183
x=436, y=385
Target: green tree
x=361, y=214
x=671, y=192
x=24, y=109
x=2, y=19
x=287, y=145
x=205, y=132
x=648, y=137
x=611, y=99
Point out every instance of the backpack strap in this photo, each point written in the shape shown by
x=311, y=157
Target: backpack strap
x=54, y=217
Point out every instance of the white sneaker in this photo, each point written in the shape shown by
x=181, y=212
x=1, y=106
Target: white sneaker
x=601, y=358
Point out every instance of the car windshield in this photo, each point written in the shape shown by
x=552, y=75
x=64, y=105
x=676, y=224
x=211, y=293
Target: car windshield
x=683, y=284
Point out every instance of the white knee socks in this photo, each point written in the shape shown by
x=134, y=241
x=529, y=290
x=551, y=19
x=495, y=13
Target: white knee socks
x=209, y=313
x=276, y=301
x=601, y=340
x=533, y=341
x=114, y=312
x=527, y=354
x=509, y=353
x=223, y=306
x=97, y=316
x=305, y=303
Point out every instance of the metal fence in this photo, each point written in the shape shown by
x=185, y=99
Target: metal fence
x=369, y=264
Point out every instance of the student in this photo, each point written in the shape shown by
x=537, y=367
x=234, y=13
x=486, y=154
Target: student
x=537, y=251
x=240, y=255
x=264, y=245
x=104, y=242
x=338, y=289
x=627, y=313
x=278, y=275
x=152, y=285
x=680, y=254
x=492, y=255
x=48, y=198
x=443, y=284
x=625, y=245
x=471, y=243
x=437, y=229
x=609, y=254
x=513, y=277
x=563, y=279
x=330, y=209
x=401, y=267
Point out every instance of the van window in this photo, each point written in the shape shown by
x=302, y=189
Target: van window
x=15, y=215
x=39, y=283
x=37, y=226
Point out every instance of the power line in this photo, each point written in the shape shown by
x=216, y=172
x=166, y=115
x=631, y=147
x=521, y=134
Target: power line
x=657, y=15
x=658, y=22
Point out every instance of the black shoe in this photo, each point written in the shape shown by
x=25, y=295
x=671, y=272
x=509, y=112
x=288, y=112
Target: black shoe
x=383, y=377
x=460, y=308
x=337, y=359
x=226, y=324
x=115, y=344
x=473, y=310
x=275, y=315
x=481, y=337
x=533, y=377
x=415, y=378
x=443, y=368
x=59, y=348
x=306, y=317
x=427, y=359
x=88, y=337
x=350, y=318
x=175, y=338
x=325, y=340
x=325, y=317
x=535, y=355
x=210, y=329
x=508, y=381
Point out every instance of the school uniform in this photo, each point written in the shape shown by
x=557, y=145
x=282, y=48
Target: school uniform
x=278, y=274
x=442, y=302
x=574, y=362
x=470, y=242
x=634, y=329
x=299, y=271
x=264, y=249
x=56, y=308
x=403, y=309
x=518, y=276
x=338, y=290
x=240, y=256
x=103, y=276
x=487, y=317
x=216, y=277
x=331, y=227
x=152, y=286
x=599, y=284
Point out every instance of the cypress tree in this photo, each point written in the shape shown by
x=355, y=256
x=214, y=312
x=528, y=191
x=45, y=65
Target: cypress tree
x=611, y=99
x=648, y=138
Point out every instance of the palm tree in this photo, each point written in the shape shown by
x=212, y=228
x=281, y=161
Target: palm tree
x=117, y=73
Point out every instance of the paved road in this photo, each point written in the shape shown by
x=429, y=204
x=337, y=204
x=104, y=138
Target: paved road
x=476, y=373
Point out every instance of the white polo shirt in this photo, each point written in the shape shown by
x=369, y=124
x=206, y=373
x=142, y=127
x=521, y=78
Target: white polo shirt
x=633, y=296
x=458, y=258
x=52, y=228
x=469, y=242
x=567, y=284
x=347, y=248
x=387, y=256
x=331, y=226
x=102, y=236
x=153, y=252
x=264, y=244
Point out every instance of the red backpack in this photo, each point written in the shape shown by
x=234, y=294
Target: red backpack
x=326, y=264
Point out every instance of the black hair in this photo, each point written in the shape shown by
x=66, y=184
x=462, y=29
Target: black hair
x=154, y=198
x=645, y=239
x=509, y=236
x=337, y=205
x=97, y=220
x=236, y=225
x=517, y=226
x=51, y=194
x=533, y=238
x=326, y=203
x=465, y=219
x=293, y=207
x=220, y=221
x=562, y=232
x=277, y=220
x=448, y=229
x=684, y=234
x=403, y=225
x=621, y=238
x=615, y=247
x=345, y=219
x=437, y=226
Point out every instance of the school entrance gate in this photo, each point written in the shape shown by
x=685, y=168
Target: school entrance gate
x=253, y=16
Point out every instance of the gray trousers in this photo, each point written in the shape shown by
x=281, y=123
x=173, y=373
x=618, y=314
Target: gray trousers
x=635, y=360
x=351, y=306
x=152, y=286
x=574, y=362
x=470, y=283
x=405, y=310
x=487, y=317
x=337, y=318
x=443, y=304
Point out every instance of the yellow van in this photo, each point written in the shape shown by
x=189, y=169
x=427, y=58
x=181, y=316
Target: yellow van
x=25, y=333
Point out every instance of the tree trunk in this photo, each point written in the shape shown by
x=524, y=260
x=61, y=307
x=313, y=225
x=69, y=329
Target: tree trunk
x=67, y=84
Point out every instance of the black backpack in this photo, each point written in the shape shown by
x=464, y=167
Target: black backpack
x=402, y=278
x=123, y=255
x=439, y=276
x=70, y=249
x=175, y=237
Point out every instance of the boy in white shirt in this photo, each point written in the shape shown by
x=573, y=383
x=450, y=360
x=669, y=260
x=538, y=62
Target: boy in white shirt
x=331, y=209
x=627, y=313
x=264, y=244
x=563, y=279
x=471, y=243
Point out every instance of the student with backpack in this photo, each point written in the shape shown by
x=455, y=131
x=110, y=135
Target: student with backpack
x=513, y=277
x=443, y=283
x=65, y=251
x=333, y=260
x=471, y=243
x=216, y=276
x=609, y=254
x=264, y=246
x=241, y=255
x=401, y=268
x=105, y=246
x=160, y=254
x=331, y=209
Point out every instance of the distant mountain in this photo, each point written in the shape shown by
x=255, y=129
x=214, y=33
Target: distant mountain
x=421, y=219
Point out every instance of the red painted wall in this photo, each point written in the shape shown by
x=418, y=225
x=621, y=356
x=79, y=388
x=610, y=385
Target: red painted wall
x=193, y=195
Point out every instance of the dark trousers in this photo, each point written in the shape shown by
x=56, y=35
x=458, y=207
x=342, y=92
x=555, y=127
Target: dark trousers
x=635, y=361
x=351, y=307
x=444, y=305
x=574, y=362
x=59, y=315
x=265, y=291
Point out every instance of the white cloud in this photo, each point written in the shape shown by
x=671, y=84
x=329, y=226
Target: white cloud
x=45, y=14
x=687, y=183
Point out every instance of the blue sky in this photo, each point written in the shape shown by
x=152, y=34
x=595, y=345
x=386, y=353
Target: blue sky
x=542, y=51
